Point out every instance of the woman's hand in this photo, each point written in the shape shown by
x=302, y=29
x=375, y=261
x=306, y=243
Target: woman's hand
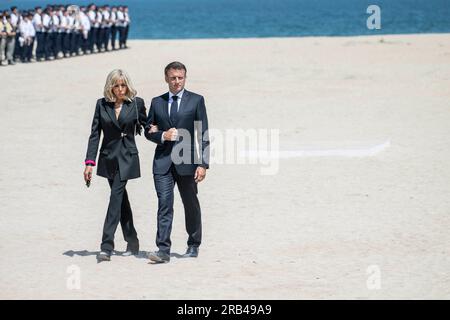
x=88, y=173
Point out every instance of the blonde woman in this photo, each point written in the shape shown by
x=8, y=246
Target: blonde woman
x=120, y=115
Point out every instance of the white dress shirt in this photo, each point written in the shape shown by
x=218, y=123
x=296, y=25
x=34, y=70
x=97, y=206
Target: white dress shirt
x=105, y=22
x=64, y=23
x=85, y=23
x=92, y=16
x=113, y=18
x=169, y=105
x=55, y=23
x=14, y=20
x=99, y=19
x=120, y=19
x=46, y=22
x=37, y=22
x=127, y=19
x=70, y=24
x=77, y=24
x=179, y=95
x=26, y=29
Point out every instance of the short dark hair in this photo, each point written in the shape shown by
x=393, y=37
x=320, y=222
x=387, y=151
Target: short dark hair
x=175, y=65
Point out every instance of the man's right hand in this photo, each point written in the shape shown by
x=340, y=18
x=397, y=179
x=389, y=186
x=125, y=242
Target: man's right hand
x=170, y=135
x=153, y=128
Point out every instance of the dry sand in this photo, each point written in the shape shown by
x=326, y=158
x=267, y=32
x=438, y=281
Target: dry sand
x=321, y=228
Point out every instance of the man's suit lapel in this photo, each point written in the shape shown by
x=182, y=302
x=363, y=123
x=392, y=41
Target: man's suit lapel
x=165, y=108
x=109, y=106
x=184, y=102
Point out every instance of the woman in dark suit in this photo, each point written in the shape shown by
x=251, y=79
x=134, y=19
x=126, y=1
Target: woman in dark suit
x=120, y=115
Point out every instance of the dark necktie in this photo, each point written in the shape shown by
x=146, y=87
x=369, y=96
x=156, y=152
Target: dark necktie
x=174, y=109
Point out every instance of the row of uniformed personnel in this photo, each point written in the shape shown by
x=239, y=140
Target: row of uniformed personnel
x=62, y=31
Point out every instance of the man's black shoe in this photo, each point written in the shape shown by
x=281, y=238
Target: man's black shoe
x=132, y=250
x=191, y=252
x=159, y=257
x=103, y=256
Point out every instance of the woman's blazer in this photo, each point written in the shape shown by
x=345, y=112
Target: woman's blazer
x=118, y=150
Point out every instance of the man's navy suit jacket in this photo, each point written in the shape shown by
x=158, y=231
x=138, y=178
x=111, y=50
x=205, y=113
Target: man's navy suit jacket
x=191, y=117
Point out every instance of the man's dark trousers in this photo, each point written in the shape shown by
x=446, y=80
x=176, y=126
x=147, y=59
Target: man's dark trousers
x=164, y=185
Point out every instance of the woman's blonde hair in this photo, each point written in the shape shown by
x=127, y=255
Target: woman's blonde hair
x=113, y=77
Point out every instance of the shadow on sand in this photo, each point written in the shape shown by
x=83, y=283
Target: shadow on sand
x=140, y=255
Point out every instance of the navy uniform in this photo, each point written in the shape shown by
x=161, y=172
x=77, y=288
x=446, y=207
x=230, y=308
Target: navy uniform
x=56, y=35
x=94, y=27
x=113, y=27
x=27, y=33
x=16, y=19
x=40, y=35
x=85, y=30
x=47, y=23
x=127, y=24
x=67, y=33
x=120, y=23
x=100, y=35
x=106, y=26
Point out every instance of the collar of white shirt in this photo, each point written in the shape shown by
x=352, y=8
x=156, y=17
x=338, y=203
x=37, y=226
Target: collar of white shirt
x=179, y=95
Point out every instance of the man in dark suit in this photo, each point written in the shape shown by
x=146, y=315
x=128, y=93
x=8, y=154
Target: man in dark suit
x=172, y=120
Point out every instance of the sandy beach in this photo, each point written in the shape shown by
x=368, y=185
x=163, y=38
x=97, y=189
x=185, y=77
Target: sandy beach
x=326, y=225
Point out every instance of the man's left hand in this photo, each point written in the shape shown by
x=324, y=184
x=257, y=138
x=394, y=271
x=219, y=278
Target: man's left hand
x=200, y=174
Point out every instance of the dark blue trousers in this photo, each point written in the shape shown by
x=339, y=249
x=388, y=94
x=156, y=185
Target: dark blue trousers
x=27, y=51
x=57, y=43
x=121, y=37
x=93, y=33
x=40, y=48
x=49, y=44
x=106, y=36
x=74, y=42
x=66, y=43
x=164, y=185
x=100, y=38
x=113, y=36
